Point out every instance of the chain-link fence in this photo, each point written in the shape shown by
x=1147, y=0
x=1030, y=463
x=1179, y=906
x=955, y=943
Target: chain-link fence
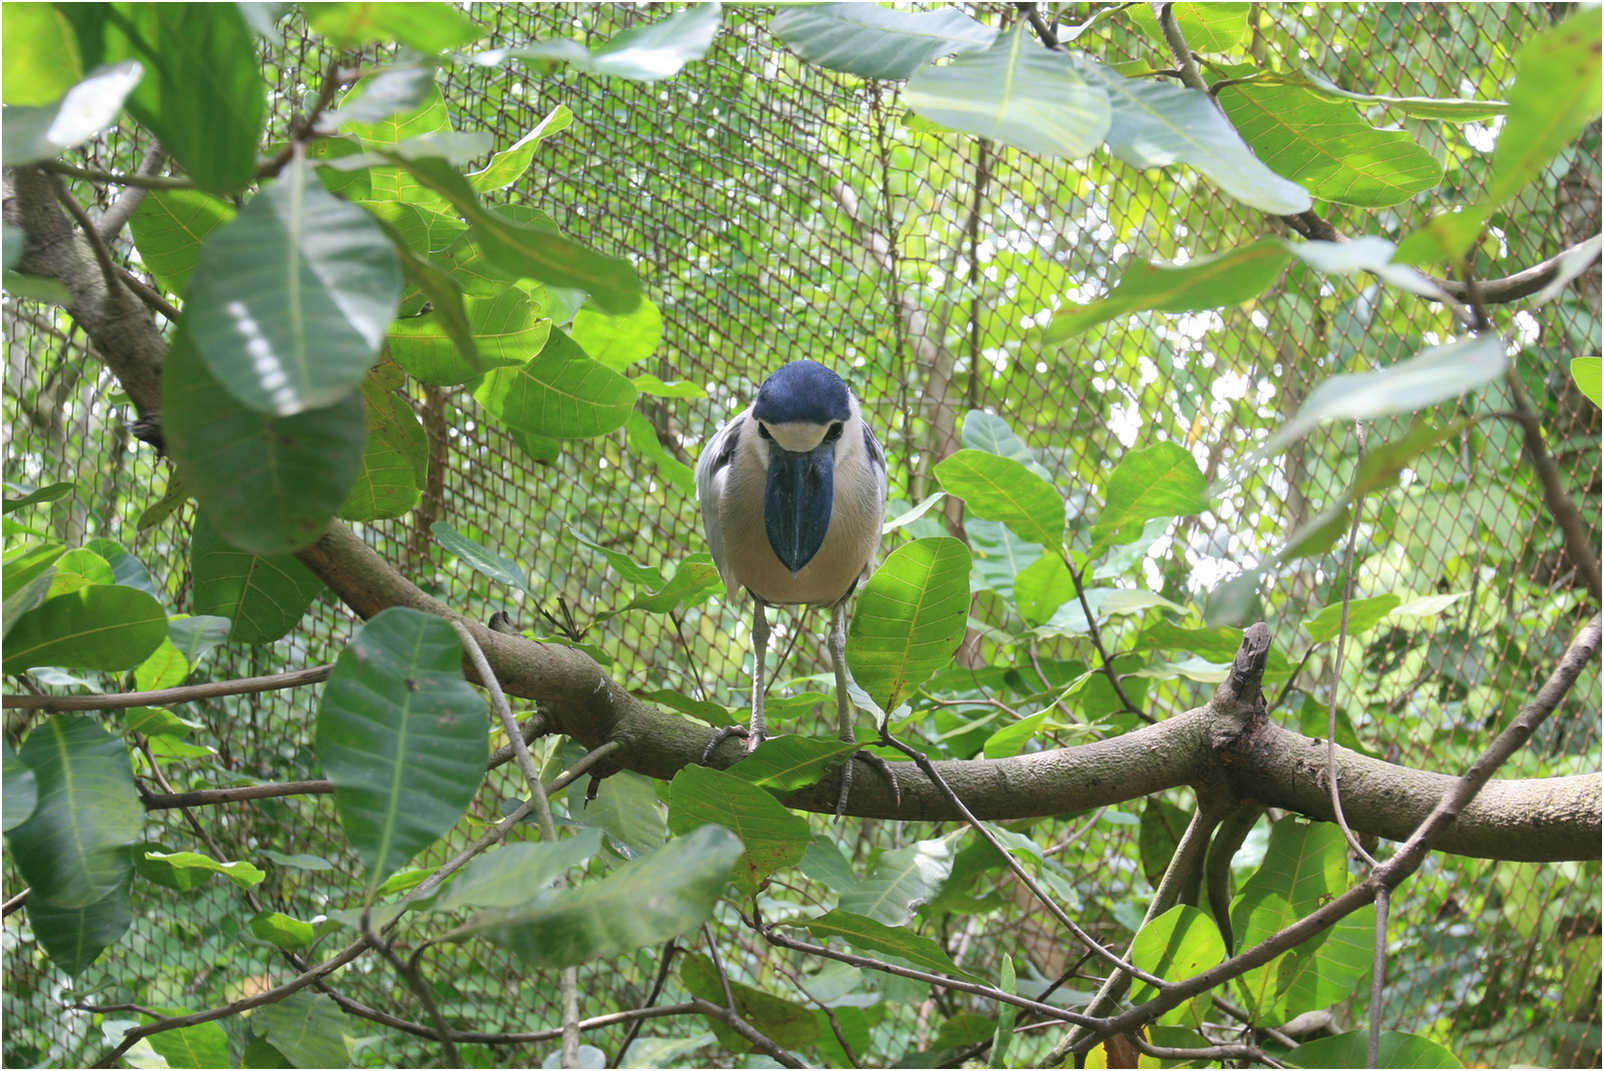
x=775, y=211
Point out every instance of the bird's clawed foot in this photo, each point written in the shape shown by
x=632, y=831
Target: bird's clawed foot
x=879, y=765
x=753, y=740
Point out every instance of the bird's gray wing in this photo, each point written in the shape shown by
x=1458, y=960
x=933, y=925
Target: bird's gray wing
x=712, y=469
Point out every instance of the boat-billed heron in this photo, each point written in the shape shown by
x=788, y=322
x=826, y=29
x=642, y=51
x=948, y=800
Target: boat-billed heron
x=793, y=493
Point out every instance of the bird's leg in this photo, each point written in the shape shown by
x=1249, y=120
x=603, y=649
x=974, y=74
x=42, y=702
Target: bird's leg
x=844, y=713
x=760, y=646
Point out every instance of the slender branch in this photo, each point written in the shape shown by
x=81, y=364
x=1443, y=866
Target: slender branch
x=108, y=268
x=1165, y=13
x=115, y=218
x=669, y=951
x=534, y=727
x=1523, y=283
x=1091, y=943
x=1095, y=634
x=1331, y=779
x=569, y=977
x=747, y=1031
x=163, y=697
x=1378, y=974
x=408, y=972
x=112, y=178
x=206, y=797
x=1206, y=1052
x=14, y=903
x=144, y=292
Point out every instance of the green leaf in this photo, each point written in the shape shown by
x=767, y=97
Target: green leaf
x=1000, y=556
x=900, y=881
x=1162, y=826
x=281, y=931
x=394, y=458
x=665, y=893
x=293, y=297
x=561, y=393
x=695, y=580
x=781, y=1021
x=1326, y=147
x=169, y=229
x=102, y=626
x=1002, y=489
x=241, y=874
x=42, y=53
x=627, y=810
x=74, y=937
x=309, y=1029
x=1160, y=481
x=73, y=850
x=1042, y=587
x=1003, y=1035
x=644, y=443
x=1589, y=375
x=262, y=597
x=403, y=737
x=1208, y=282
x=619, y=341
x=271, y=484
x=513, y=875
x=20, y=791
x=33, y=134
x=1447, y=109
x=1210, y=27
x=1178, y=944
x=201, y=1045
x=1353, y=1050
x=910, y=619
x=48, y=493
x=773, y=836
x=872, y=938
x=1555, y=95
x=646, y=53
x=509, y=165
x=202, y=96
x=1363, y=615
x=1156, y=124
x=1431, y=376
x=530, y=250
x=426, y=28
x=789, y=762
x=877, y=42
x=481, y=559
x=1015, y=92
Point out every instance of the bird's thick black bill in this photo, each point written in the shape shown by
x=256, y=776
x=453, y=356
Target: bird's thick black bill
x=797, y=502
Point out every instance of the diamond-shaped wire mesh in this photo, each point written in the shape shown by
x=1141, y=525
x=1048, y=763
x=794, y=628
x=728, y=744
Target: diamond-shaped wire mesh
x=775, y=210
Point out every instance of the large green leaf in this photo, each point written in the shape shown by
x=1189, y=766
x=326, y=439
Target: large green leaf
x=169, y=229
x=1555, y=95
x=1178, y=944
x=876, y=938
x=44, y=132
x=561, y=393
x=515, y=874
x=646, y=53
x=773, y=836
x=1324, y=146
x=403, y=737
x=782, y=1021
x=619, y=341
x=874, y=41
x=293, y=297
x=238, y=871
x=1588, y=372
x=202, y=96
x=910, y=619
x=1207, y=27
x=42, y=54
x=74, y=937
x=509, y=165
x=1160, y=481
x=900, y=881
x=480, y=558
x=74, y=849
x=1447, y=109
x=668, y=892
x=1431, y=376
x=271, y=484
x=1353, y=1050
x=201, y=1045
x=426, y=28
x=307, y=1028
x=789, y=762
x=102, y=626
x=1363, y=615
x=394, y=458
x=1015, y=92
x=1156, y=124
x=1002, y=489
x=19, y=792
x=262, y=597
x=530, y=250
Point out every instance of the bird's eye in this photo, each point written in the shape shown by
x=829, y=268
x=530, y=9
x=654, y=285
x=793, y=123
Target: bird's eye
x=834, y=433
x=763, y=431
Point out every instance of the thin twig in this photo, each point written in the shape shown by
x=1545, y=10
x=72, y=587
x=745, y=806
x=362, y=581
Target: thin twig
x=1095, y=634
x=114, y=219
x=90, y=174
x=108, y=268
x=569, y=976
x=1378, y=973
x=1020, y=872
x=1332, y=787
x=409, y=974
x=760, y=1041
x=1165, y=12
x=1205, y=1052
x=163, y=697
x=146, y=293
x=14, y=903
x=1281, y=696
x=669, y=951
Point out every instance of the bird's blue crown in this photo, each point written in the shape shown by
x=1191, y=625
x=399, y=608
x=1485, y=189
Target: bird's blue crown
x=802, y=391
